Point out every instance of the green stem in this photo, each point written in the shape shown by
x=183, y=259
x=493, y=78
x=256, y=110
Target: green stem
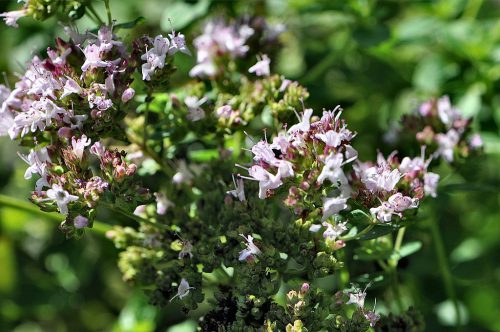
x=132, y=216
x=399, y=239
x=445, y=269
x=472, y=9
x=393, y=262
x=395, y=289
x=93, y=11
x=358, y=235
x=14, y=203
x=108, y=11
x=92, y=17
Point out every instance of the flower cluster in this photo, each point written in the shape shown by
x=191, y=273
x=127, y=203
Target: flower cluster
x=442, y=128
x=67, y=10
x=316, y=162
x=63, y=106
x=216, y=42
x=221, y=44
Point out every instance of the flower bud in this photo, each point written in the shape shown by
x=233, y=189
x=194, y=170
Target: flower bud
x=131, y=169
x=80, y=222
x=128, y=94
x=305, y=288
x=65, y=132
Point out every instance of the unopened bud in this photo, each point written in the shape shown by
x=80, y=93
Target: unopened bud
x=305, y=288
x=65, y=132
x=80, y=222
x=128, y=94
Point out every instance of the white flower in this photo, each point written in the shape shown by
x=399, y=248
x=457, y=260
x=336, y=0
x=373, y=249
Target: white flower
x=182, y=290
x=205, y=68
x=372, y=317
x=305, y=123
x=261, y=68
x=263, y=152
x=62, y=198
x=11, y=18
x=396, y=204
x=446, y=112
x=239, y=191
x=98, y=149
x=36, y=160
x=162, y=203
x=79, y=145
x=476, y=142
x=267, y=181
x=285, y=168
x=415, y=165
x=155, y=57
x=401, y=203
x=377, y=179
x=71, y=86
x=93, y=58
x=333, y=205
x=251, y=248
x=178, y=43
x=357, y=298
x=447, y=143
x=6, y=122
x=334, y=231
x=430, y=183
x=332, y=170
x=330, y=138
x=350, y=154
x=58, y=59
x=224, y=112
x=187, y=247
x=140, y=210
x=384, y=212
x=183, y=174
x=105, y=39
x=195, y=112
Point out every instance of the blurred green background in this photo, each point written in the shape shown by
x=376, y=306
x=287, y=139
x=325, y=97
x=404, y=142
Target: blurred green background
x=378, y=59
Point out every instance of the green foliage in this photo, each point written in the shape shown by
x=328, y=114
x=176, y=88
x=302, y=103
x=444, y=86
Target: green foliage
x=377, y=59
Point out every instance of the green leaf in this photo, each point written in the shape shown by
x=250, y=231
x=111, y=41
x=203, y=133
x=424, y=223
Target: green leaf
x=378, y=231
x=203, y=155
x=179, y=14
x=409, y=248
x=470, y=104
x=129, y=25
x=8, y=278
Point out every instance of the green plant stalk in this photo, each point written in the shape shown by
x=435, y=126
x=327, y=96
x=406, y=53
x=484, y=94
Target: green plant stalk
x=445, y=270
x=358, y=235
x=133, y=216
x=93, y=11
x=5, y=201
x=108, y=12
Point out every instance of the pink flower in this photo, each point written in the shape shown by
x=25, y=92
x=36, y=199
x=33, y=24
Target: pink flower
x=267, y=181
x=61, y=197
x=71, y=86
x=182, y=290
x=261, y=68
x=11, y=18
x=250, y=250
x=93, y=58
x=333, y=205
x=128, y=94
x=79, y=145
x=304, y=123
x=80, y=222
